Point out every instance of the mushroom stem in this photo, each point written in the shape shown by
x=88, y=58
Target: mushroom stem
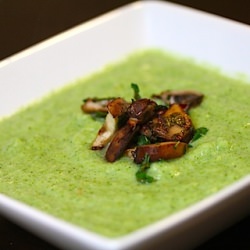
x=105, y=133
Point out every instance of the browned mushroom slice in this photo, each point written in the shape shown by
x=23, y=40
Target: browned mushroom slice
x=158, y=151
x=117, y=107
x=121, y=140
x=92, y=105
x=173, y=125
x=139, y=112
x=188, y=97
x=143, y=110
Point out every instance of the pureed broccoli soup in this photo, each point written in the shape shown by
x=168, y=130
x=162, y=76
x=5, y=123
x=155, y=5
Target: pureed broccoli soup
x=46, y=160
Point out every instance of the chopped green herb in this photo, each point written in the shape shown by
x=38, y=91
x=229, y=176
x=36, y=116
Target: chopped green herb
x=136, y=89
x=143, y=177
x=199, y=132
x=141, y=174
x=143, y=140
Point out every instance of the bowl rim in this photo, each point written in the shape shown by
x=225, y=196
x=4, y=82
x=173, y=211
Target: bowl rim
x=156, y=231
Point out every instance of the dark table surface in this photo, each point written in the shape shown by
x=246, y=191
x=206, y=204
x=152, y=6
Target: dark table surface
x=27, y=22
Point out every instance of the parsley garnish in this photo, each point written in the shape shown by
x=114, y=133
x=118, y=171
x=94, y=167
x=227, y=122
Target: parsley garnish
x=136, y=89
x=199, y=132
x=143, y=140
x=141, y=174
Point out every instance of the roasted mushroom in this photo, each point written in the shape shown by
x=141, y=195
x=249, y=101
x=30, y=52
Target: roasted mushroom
x=117, y=109
x=139, y=112
x=172, y=125
x=142, y=110
x=189, y=98
x=158, y=151
x=121, y=140
x=93, y=105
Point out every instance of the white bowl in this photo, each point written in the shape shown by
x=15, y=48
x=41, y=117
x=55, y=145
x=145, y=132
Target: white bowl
x=202, y=36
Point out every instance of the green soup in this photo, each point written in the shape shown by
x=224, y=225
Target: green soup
x=46, y=161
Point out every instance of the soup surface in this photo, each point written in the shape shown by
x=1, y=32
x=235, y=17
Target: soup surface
x=46, y=161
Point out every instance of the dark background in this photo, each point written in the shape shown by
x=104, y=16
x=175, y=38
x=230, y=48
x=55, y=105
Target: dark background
x=26, y=22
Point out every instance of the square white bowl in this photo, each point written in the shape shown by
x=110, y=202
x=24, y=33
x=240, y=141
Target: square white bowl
x=88, y=47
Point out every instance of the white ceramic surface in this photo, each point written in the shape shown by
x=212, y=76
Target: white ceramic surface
x=78, y=52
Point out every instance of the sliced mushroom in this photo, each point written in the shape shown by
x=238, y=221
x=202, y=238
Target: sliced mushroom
x=105, y=133
x=172, y=125
x=143, y=110
x=117, y=107
x=185, y=97
x=116, y=110
x=92, y=105
x=139, y=112
x=121, y=140
x=158, y=151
